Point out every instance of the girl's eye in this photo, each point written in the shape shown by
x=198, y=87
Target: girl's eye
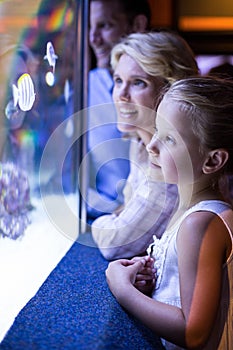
x=170, y=140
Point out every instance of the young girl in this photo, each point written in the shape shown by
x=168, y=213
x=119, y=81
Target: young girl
x=190, y=305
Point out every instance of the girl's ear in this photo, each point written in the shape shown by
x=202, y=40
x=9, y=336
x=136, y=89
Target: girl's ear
x=215, y=161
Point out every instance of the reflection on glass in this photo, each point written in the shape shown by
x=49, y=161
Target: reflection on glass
x=37, y=42
x=39, y=199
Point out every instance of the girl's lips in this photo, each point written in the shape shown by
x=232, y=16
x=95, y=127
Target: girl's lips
x=154, y=165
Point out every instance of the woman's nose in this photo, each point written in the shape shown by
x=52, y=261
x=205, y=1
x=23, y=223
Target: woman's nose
x=124, y=94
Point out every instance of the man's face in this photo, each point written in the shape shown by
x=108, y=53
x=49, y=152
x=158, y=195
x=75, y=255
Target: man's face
x=107, y=26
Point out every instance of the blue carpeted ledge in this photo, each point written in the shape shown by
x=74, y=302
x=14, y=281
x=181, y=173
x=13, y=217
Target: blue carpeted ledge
x=74, y=309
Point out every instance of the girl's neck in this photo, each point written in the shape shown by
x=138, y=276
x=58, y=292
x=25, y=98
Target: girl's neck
x=194, y=196
x=188, y=200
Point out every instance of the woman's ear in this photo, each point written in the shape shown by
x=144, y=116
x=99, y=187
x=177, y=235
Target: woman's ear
x=215, y=161
x=140, y=24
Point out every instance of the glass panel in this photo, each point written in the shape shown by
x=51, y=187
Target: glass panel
x=39, y=131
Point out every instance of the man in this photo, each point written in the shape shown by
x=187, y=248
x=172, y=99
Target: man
x=110, y=20
x=107, y=151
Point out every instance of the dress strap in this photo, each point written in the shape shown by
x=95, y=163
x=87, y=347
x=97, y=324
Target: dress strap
x=227, y=217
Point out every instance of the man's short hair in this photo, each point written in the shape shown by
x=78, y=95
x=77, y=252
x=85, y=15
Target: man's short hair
x=132, y=8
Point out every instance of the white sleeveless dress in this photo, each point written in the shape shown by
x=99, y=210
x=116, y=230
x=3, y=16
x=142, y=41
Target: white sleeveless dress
x=167, y=285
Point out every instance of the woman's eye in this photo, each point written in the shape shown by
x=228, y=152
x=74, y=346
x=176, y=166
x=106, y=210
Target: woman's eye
x=117, y=81
x=155, y=135
x=139, y=82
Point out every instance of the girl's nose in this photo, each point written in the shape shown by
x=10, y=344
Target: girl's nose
x=152, y=147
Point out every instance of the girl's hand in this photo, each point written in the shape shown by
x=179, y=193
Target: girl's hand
x=145, y=279
x=122, y=273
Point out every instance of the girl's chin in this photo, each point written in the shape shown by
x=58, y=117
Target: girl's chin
x=155, y=174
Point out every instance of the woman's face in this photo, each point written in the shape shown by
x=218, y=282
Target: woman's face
x=135, y=94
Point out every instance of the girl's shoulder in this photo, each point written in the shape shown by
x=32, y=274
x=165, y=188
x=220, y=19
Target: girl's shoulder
x=212, y=219
x=214, y=206
x=204, y=211
x=198, y=210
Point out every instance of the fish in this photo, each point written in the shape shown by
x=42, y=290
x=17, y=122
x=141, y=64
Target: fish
x=24, y=92
x=50, y=55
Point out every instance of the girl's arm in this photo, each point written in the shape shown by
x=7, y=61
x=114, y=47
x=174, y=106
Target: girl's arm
x=121, y=277
x=201, y=245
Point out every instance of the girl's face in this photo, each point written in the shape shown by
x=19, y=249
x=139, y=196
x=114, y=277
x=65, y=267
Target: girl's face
x=174, y=153
x=135, y=93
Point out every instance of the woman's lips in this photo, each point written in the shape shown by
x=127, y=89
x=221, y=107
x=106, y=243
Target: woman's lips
x=127, y=113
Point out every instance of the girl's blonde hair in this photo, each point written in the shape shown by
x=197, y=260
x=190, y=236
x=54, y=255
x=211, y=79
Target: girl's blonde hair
x=160, y=53
x=208, y=102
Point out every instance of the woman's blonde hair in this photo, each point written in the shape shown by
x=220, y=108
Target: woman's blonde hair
x=158, y=53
